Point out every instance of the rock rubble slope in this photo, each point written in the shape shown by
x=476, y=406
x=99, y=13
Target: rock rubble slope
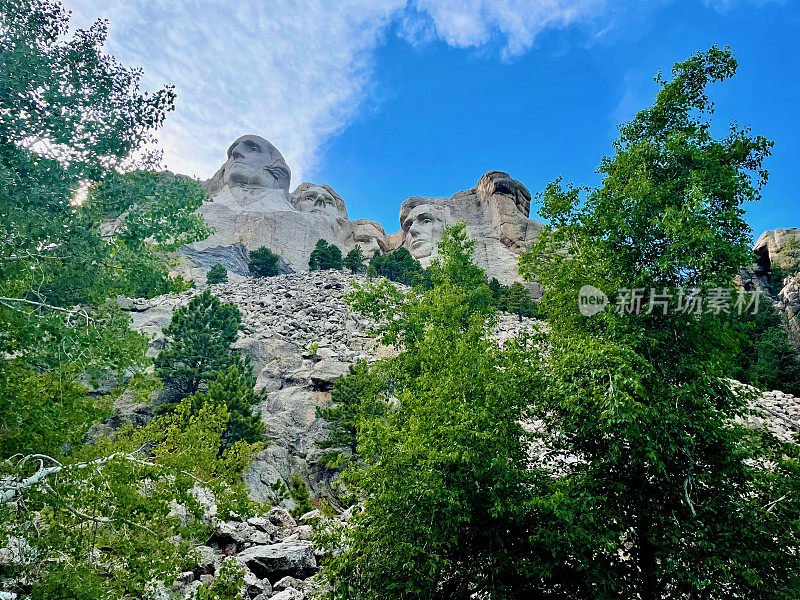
x=301, y=336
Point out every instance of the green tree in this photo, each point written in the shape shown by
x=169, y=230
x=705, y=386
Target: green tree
x=235, y=390
x=302, y=499
x=74, y=117
x=517, y=300
x=93, y=530
x=355, y=260
x=355, y=396
x=264, y=263
x=97, y=517
x=397, y=266
x=668, y=497
x=767, y=359
x=325, y=256
x=217, y=274
x=199, y=337
x=442, y=472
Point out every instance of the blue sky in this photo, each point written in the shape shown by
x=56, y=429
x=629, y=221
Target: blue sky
x=386, y=99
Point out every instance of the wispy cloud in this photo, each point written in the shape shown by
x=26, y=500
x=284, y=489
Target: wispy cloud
x=478, y=23
x=294, y=71
x=724, y=6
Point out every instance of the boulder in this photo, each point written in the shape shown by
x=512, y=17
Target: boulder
x=276, y=561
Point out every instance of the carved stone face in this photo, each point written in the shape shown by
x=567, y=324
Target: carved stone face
x=369, y=235
x=422, y=229
x=317, y=200
x=253, y=161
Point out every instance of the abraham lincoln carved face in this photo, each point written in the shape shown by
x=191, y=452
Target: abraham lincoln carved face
x=253, y=161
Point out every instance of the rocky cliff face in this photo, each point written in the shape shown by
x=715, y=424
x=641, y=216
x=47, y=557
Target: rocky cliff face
x=282, y=316
x=777, y=274
x=251, y=207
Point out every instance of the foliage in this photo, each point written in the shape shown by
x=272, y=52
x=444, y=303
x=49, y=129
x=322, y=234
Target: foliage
x=397, y=266
x=264, y=263
x=358, y=395
x=235, y=390
x=103, y=521
x=354, y=261
x=299, y=493
x=325, y=256
x=217, y=274
x=97, y=521
x=442, y=475
x=767, y=359
x=227, y=584
x=659, y=493
x=73, y=117
x=517, y=300
x=198, y=345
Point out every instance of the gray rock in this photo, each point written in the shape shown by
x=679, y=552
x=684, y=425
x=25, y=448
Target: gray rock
x=279, y=560
x=325, y=372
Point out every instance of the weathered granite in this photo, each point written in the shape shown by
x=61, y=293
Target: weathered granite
x=496, y=212
x=778, y=248
x=250, y=206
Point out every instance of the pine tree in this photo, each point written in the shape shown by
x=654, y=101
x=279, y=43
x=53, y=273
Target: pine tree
x=325, y=256
x=235, y=390
x=198, y=347
x=517, y=300
x=355, y=260
x=264, y=263
x=356, y=395
x=217, y=274
x=397, y=266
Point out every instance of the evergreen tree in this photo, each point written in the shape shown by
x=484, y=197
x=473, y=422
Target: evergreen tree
x=302, y=499
x=264, y=263
x=397, y=266
x=517, y=300
x=767, y=359
x=498, y=291
x=355, y=260
x=217, y=274
x=198, y=345
x=357, y=395
x=325, y=256
x=235, y=390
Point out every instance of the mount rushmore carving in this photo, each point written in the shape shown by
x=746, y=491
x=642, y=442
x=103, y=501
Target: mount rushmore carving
x=251, y=206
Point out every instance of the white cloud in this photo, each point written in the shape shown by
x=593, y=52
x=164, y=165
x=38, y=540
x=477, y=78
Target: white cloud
x=294, y=71
x=477, y=23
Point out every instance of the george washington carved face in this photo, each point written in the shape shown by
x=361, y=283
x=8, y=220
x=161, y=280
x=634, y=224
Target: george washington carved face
x=253, y=161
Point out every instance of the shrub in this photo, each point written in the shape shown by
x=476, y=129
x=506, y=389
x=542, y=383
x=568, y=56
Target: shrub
x=217, y=274
x=264, y=263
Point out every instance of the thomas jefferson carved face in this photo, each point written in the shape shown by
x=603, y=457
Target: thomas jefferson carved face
x=253, y=161
x=422, y=224
x=316, y=199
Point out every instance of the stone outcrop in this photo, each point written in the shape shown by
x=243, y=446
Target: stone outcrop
x=776, y=273
x=496, y=212
x=274, y=550
x=301, y=336
x=284, y=318
x=778, y=248
x=250, y=206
